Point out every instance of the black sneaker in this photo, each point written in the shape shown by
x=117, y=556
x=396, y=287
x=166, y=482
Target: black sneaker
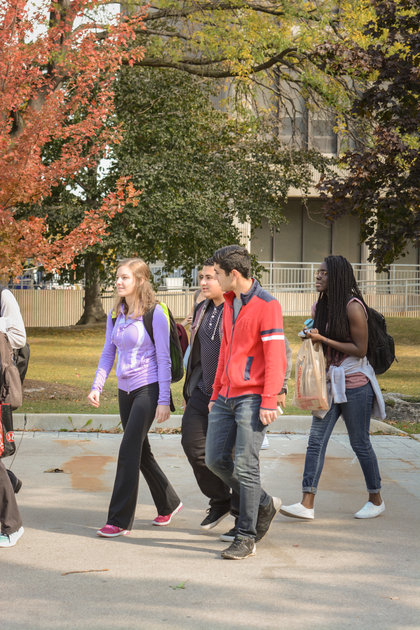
x=229, y=536
x=265, y=517
x=214, y=516
x=240, y=549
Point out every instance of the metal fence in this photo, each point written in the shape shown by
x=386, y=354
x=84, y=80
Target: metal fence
x=396, y=294
x=299, y=277
x=180, y=301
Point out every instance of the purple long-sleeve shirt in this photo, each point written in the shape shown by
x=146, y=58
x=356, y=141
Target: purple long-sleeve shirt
x=139, y=360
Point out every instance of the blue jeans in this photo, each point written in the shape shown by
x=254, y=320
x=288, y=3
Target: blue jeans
x=356, y=413
x=234, y=425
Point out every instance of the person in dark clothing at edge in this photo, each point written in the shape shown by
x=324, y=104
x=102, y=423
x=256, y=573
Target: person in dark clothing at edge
x=206, y=335
x=250, y=373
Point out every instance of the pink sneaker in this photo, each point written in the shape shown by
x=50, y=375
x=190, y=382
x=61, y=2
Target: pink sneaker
x=165, y=520
x=110, y=531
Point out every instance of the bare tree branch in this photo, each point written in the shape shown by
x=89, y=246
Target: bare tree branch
x=201, y=7
x=196, y=66
x=164, y=34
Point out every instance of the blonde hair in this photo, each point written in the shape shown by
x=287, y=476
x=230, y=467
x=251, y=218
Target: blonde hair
x=145, y=297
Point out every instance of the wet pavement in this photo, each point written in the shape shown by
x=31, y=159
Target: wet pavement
x=336, y=572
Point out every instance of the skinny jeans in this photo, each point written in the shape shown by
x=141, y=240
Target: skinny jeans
x=356, y=413
x=137, y=411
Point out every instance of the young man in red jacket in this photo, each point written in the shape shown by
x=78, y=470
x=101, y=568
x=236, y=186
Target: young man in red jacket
x=250, y=373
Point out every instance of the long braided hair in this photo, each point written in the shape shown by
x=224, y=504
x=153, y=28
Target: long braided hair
x=331, y=314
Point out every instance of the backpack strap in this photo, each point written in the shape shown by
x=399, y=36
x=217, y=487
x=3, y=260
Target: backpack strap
x=148, y=322
x=355, y=299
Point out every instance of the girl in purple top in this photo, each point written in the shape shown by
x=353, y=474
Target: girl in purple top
x=341, y=325
x=144, y=376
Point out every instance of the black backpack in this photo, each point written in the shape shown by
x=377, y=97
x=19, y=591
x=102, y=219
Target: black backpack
x=381, y=347
x=21, y=355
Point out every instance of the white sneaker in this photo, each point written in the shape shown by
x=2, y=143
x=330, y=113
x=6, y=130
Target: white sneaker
x=10, y=540
x=369, y=510
x=297, y=510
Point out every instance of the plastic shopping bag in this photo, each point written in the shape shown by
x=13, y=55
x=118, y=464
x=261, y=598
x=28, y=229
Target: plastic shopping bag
x=311, y=377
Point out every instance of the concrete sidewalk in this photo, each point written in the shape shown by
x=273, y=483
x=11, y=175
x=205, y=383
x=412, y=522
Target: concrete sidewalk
x=333, y=573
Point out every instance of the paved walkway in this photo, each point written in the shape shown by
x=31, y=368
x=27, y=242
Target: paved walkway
x=330, y=574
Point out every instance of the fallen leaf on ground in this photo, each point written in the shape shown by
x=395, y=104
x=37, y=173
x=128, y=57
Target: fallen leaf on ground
x=181, y=585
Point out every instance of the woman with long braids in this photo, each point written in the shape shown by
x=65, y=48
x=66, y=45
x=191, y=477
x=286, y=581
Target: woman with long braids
x=341, y=325
x=144, y=376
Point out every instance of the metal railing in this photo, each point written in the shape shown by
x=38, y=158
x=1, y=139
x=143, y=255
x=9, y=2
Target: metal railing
x=396, y=293
x=299, y=277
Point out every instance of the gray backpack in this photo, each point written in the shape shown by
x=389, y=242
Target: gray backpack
x=13, y=367
x=10, y=383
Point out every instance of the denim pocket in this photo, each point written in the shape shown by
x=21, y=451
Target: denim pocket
x=247, y=374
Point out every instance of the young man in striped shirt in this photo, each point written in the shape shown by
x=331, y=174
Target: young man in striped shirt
x=250, y=373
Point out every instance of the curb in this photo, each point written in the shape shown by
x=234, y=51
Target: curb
x=111, y=423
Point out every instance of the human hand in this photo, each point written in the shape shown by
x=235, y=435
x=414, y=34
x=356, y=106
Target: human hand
x=187, y=321
x=211, y=405
x=267, y=416
x=93, y=398
x=314, y=335
x=162, y=413
x=281, y=400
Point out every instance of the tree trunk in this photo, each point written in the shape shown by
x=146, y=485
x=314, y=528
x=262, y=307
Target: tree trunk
x=93, y=310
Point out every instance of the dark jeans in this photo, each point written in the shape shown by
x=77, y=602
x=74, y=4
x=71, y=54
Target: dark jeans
x=10, y=519
x=356, y=413
x=137, y=410
x=234, y=425
x=194, y=431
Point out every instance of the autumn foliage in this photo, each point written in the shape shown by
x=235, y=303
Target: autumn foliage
x=58, y=63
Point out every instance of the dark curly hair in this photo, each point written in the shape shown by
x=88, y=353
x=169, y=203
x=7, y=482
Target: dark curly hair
x=233, y=257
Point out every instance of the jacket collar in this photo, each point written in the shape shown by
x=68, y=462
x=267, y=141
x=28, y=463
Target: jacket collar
x=245, y=297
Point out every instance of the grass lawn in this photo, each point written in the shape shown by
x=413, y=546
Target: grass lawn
x=63, y=364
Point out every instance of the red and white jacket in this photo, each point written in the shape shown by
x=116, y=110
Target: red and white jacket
x=252, y=356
